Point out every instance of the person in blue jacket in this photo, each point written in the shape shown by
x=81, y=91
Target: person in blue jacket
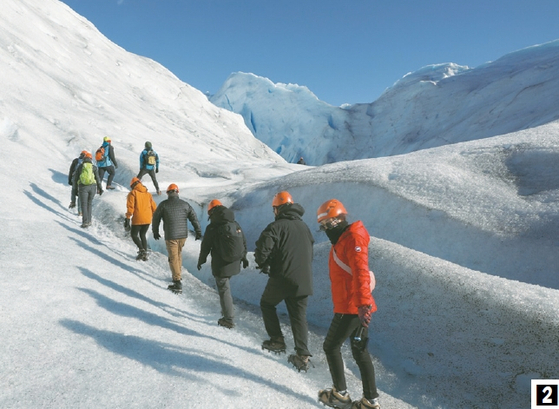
x=149, y=163
x=107, y=162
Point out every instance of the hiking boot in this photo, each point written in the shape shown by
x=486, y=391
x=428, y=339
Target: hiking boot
x=275, y=345
x=176, y=287
x=110, y=188
x=224, y=322
x=365, y=403
x=158, y=192
x=300, y=362
x=85, y=225
x=142, y=255
x=334, y=399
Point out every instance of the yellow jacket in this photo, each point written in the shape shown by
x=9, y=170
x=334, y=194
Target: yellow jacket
x=140, y=205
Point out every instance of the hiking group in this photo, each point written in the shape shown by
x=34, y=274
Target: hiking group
x=283, y=251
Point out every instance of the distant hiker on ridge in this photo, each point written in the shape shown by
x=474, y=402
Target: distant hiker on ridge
x=149, y=163
x=226, y=243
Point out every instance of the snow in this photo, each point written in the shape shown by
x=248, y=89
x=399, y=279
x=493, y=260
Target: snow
x=463, y=236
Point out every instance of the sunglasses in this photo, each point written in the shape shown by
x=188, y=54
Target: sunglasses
x=329, y=224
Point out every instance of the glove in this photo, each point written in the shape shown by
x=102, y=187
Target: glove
x=127, y=224
x=156, y=170
x=245, y=262
x=365, y=314
x=198, y=236
x=72, y=205
x=100, y=191
x=156, y=235
x=199, y=266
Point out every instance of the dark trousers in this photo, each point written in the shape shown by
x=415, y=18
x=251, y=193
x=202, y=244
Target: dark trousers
x=151, y=174
x=225, y=297
x=296, y=309
x=86, y=194
x=110, y=170
x=138, y=234
x=344, y=326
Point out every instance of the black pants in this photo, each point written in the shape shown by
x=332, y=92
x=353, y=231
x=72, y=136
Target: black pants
x=151, y=174
x=110, y=170
x=342, y=327
x=296, y=309
x=138, y=234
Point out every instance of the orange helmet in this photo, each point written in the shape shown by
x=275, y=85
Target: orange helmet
x=134, y=182
x=329, y=209
x=213, y=204
x=281, y=198
x=173, y=188
x=87, y=154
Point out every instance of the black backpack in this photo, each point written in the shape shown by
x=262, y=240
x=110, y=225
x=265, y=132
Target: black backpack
x=229, y=242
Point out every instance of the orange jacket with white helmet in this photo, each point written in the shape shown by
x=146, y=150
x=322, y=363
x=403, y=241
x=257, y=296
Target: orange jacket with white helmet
x=350, y=291
x=140, y=205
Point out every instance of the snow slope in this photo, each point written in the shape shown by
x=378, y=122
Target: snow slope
x=463, y=246
x=433, y=106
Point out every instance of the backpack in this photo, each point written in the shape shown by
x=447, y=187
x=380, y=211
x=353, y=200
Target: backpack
x=151, y=158
x=87, y=177
x=100, y=154
x=230, y=244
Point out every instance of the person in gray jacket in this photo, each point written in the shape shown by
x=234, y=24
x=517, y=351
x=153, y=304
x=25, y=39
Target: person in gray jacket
x=85, y=183
x=175, y=213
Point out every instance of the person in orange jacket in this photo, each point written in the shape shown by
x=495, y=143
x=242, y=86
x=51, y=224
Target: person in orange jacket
x=354, y=304
x=140, y=206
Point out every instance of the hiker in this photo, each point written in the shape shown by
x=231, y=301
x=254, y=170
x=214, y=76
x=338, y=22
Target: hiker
x=175, y=214
x=106, y=162
x=77, y=161
x=85, y=183
x=301, y=161
x=140, y=206
x=149, y=163
x=226, y=242
x=284, y=251
x=354, y=304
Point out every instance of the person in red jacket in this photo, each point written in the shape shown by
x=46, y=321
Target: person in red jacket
x=140, y=206
x=353, y=306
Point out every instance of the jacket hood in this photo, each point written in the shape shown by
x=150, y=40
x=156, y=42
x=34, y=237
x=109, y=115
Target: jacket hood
x=222, y=214
x=293, y=211
x=140, y=188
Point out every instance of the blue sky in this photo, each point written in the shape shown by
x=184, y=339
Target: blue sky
x=344, y=51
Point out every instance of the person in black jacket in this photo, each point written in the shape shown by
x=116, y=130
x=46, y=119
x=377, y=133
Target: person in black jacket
x=224, y=263
x=175, y=213
x=284, y=250
x=75, y=163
